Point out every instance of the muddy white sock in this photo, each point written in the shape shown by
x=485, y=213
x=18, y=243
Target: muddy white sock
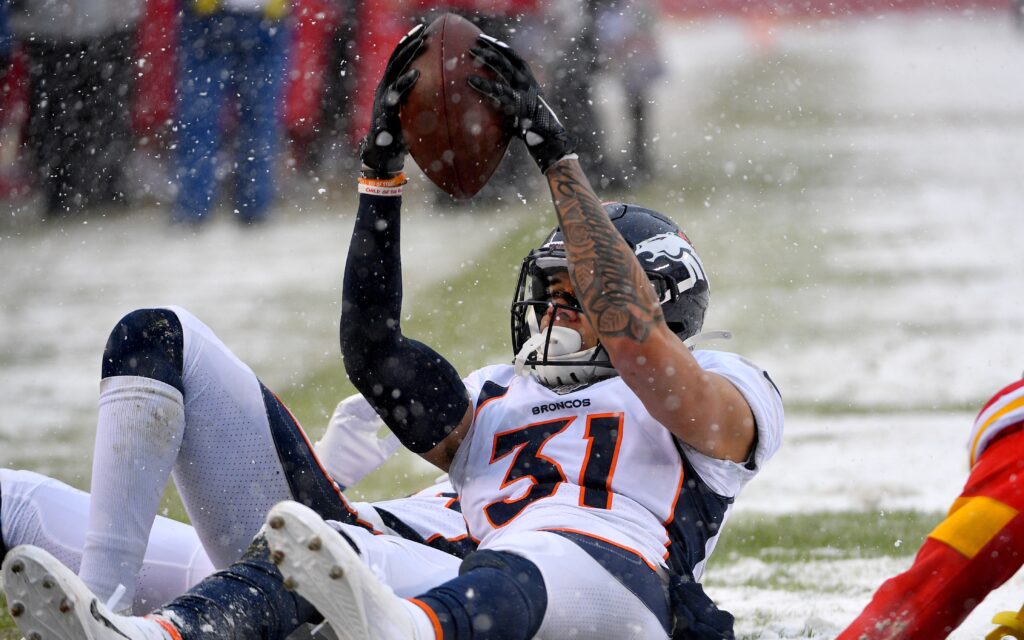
x=138, y=435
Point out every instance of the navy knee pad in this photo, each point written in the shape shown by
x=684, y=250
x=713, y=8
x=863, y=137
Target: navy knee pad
x=148, y=343
x=497, y=596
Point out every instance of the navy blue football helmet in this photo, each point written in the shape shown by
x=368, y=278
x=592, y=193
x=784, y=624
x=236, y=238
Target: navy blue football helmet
x=667, y=257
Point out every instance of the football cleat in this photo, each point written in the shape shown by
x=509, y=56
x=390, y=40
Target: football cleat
x=321, y=566
x=49, y=602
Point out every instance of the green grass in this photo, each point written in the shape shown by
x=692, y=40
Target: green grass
x=803, y=537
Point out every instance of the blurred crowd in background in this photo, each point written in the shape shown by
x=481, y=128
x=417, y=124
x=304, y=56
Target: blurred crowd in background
x=202, y=103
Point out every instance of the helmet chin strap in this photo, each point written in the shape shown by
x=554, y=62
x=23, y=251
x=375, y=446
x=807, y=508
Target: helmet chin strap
x=707, y=336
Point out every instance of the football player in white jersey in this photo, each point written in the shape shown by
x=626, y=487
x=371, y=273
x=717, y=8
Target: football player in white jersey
x=606, y=442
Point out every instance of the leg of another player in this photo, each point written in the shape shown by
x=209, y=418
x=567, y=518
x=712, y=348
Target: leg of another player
x=139, y=428
x=975, y=549
x=174, y=397
x=249, y=599
x=49, y=514
x=246, y=601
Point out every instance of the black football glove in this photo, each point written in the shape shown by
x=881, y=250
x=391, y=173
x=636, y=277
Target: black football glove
x=518, y=94
x=383, y=149
x=695, y=616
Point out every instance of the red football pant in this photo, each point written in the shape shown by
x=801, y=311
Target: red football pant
x=978, y=547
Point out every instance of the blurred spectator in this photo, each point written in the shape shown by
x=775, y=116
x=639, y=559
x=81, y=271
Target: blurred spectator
x=149, y=172
x=629, y=54
x=157, y=52
x=317, y=96
x=6, y=44
x=573, y=55
x=230, y=49
x=14, y=180
x=6, y=50
x=339, y=104
x=79, y=68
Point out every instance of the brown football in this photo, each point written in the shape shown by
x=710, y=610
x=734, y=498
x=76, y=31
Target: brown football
x=454, y=134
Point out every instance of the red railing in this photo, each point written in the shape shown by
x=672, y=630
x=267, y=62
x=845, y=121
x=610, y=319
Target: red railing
x=822, y=8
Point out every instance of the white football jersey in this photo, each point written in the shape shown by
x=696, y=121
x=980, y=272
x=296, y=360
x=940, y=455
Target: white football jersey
x=1004, y=411
x=593, y=460
x=433, y=514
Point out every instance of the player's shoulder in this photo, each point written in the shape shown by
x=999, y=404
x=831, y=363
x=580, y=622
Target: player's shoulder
x=1004, y=410
x=499, y=373
x=732, y=365
x=711, y=357
x=758, y=389
x=1005, y=401
x=489, y=381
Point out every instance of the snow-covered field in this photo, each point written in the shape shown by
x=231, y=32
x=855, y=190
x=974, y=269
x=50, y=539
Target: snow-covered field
x=864, y=238
x=899, y=302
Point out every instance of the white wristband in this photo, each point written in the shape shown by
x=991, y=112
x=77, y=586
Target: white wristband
x=375, y=190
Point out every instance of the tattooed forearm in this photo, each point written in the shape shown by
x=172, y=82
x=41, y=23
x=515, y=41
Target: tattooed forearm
x=608, y=280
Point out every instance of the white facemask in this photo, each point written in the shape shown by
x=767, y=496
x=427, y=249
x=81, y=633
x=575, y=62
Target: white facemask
x=564, y=346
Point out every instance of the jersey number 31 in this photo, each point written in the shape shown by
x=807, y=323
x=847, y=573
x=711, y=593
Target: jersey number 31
x=527, y=444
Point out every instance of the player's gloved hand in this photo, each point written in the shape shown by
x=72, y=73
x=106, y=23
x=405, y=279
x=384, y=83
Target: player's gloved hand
x=695, y=615
x=383, y=149
x=519, y=96
x=351, y=448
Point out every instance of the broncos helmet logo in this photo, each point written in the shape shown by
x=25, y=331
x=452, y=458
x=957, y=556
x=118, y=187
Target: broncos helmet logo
x=670, y=252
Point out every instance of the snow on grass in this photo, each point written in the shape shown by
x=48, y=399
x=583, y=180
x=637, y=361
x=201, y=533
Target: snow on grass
x=817, y=599
x=864, y=462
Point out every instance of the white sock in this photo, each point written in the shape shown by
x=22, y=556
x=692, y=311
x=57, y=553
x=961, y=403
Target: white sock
x=421, y=621
x=149, y=628
x=138, y=435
